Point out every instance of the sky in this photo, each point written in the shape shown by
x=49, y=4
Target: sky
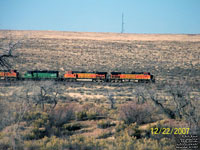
x=140, y=16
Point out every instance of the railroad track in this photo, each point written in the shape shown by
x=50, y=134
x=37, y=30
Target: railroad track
x=79, y=83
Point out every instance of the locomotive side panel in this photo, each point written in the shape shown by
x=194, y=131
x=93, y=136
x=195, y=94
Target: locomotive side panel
x=45, y=75
x=73, y=76
x=78, y=76
x=86, y=75
x=127, y=77
x=135, y=76
x=37, y=75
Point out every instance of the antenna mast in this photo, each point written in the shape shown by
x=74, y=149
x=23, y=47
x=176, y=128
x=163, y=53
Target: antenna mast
x=122, y=31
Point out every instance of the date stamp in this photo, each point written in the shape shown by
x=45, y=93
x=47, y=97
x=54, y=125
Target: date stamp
x=165, y=131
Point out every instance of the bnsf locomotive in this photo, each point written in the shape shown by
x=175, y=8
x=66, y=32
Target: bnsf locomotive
x=9, y=75
x=134, y=76
x=78, y=76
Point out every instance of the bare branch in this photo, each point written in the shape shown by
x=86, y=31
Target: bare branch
x=8, y=51
x=166, y=110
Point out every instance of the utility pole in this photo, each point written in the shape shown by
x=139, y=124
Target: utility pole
x=122, y=31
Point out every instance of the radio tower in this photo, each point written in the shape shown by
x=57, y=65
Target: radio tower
x=122, y=31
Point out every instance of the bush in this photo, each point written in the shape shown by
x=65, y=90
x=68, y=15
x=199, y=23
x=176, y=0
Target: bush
x=72, y=143
x=4, y=144
x=92, y=116
x=63, y=114
x=66, y=130
x=85, y=115
x=133, y=112
x=133, y=130
x=41, y=125
x=46, y=143
x=9, y=142
x=104, y=135
x=104, y=124
x=72, y=126
x=163, y=144
x=80, y=116
x=90, y=112
x=93, y=113
x=82, y=143
x=124, y=141
x=30, y=116
x=120, y=127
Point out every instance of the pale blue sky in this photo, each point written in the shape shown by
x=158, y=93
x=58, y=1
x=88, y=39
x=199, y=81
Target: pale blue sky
x=140, y=16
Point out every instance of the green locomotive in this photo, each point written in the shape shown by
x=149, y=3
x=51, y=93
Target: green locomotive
x=39, y=75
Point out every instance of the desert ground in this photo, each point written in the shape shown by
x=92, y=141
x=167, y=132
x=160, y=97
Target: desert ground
x=85, y=115
x=166, y=56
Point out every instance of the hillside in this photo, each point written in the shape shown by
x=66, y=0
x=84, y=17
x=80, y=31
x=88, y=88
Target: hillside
x=166, y=56
x=51, y=115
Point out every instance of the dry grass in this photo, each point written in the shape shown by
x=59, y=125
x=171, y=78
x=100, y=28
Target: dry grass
x=166, y=56
x=103, y=36
x=171, y=58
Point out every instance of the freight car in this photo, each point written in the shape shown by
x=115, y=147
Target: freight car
x=9, y=75
x=131, y=77
x=41, y=75
x=85, y=76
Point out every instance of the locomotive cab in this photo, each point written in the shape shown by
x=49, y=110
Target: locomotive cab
x=9, y=74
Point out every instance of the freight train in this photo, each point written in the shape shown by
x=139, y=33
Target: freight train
x=73, y=76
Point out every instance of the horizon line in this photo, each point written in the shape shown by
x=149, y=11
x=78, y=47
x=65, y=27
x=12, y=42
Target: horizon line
x=99, y=32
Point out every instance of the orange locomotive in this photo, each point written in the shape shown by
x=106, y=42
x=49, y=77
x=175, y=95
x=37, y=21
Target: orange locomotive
x=90, y=76
x=134, y=76
x=9, y=75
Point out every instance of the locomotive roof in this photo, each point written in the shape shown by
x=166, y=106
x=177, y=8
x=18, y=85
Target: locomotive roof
x=8, y=70
x=115, y=73
x=89, y=72
x=81, y=72
x=101, y=73
x=42, y=71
